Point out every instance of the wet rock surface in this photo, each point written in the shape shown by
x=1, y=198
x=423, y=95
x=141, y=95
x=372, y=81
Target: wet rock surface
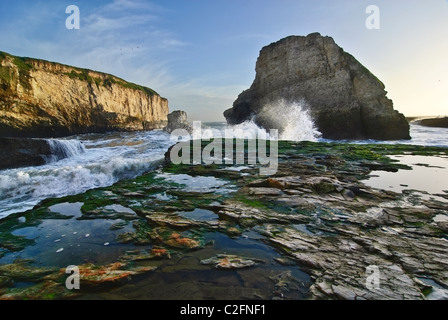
x=225, y=261
x=16, y=153
x=313, y=230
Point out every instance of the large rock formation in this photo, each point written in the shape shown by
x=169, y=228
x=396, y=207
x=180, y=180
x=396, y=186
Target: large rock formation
x=45, y=99
x=345, y=100
x=178, y=120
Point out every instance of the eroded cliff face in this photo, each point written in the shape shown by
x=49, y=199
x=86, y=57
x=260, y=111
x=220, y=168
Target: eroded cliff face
x=45, y=99
x=345, y=100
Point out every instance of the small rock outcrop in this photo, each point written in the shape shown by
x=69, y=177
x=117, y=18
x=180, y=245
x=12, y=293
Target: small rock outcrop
x=45, y=99
x=441, y=122
x=15, y=153
x=178, y=120
x=344, y=99
x=24, y=152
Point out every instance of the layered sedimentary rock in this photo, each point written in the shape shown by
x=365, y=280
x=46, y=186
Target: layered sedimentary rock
x=313, y=230
x=45, y=99
x=345, y=100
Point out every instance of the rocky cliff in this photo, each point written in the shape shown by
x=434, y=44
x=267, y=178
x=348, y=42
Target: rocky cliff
x=45, y=99
x=345, y=100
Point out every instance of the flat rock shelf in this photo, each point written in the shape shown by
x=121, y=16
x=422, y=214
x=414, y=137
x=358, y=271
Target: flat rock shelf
x=313, y=230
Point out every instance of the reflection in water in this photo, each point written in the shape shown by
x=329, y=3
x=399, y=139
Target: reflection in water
x=428, y=174
x=71, y=240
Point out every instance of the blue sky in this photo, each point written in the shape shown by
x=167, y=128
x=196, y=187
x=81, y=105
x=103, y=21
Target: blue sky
x=200, y=54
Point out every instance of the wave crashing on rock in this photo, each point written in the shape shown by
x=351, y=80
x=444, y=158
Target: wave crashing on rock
x=292, y=120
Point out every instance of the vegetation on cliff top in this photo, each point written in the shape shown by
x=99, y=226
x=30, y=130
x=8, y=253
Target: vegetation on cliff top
x=24, y=65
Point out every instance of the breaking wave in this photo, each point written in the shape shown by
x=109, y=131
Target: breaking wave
x=292, y=120
x=62, y=149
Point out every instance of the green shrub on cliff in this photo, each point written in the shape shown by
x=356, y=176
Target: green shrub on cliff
x=23, y=67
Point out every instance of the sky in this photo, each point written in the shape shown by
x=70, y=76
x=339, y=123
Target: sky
x=201, y=54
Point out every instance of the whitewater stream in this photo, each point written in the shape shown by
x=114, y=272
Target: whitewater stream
x=99, y=160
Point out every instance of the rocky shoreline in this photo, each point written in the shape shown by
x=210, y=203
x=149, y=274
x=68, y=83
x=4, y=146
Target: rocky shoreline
x=313, y=230
x=441, y=122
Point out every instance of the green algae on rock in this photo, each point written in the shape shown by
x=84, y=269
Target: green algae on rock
x=49, y=284
x=317, y=212
x=225, y=261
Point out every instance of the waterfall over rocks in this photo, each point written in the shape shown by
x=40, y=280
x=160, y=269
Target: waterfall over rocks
x=61, y=149
x=24, y=152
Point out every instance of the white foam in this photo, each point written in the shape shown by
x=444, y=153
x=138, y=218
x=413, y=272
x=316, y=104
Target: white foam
x=291, y=119
x=62, y=149
x=93, y=162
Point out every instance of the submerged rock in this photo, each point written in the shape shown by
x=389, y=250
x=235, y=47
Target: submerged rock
x=50, y=283
x=177, y=241
x=93, y=275
x=5, y=282
x=24, y=271
x=344, y=99
x=45, y=290
x=317, y=211
x=226, y=261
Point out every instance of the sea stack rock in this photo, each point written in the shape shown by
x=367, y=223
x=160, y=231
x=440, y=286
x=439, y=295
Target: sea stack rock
x=178, y=120
x=46, y=99
x=344, y=99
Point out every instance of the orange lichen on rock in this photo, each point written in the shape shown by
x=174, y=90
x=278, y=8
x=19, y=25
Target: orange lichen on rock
x=160, y=253
x=93, y=275
x=177, y=241
x=274, y=183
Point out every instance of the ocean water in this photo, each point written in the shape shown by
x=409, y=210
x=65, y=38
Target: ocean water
x=94, y=160
x=422, y=136
x=99, y=160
